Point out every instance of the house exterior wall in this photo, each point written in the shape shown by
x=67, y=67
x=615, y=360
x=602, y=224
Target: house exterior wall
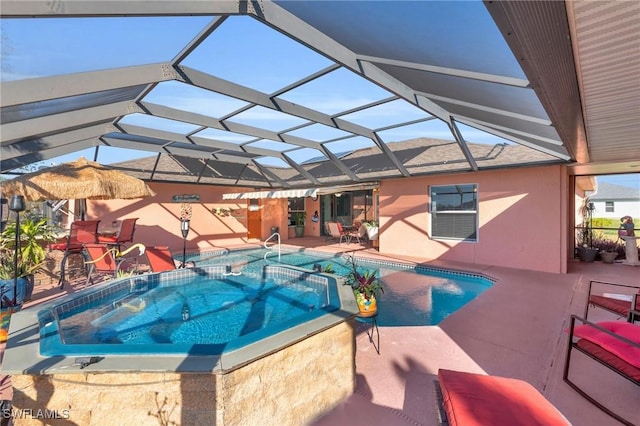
x=620, y=208
x=159, y=217
x=522, y=219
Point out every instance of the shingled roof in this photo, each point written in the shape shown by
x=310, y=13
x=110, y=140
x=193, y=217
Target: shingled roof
x=420, y=156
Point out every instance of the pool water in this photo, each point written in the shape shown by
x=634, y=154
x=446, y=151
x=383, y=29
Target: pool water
x=200, y=311
x=413, y=295
x=203, y=310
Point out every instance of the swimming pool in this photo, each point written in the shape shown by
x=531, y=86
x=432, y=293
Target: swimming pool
x=224, y=383
x=235, y=386
x=201, y=311
x=414, y=295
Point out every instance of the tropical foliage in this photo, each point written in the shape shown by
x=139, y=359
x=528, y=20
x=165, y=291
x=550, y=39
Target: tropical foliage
x=300, y=218
x=364, y=282
x=35, y=234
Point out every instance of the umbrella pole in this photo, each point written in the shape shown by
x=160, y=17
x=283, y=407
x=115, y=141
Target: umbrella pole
x=83, y=209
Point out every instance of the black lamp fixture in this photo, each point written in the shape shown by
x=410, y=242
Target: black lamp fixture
x=184, y=227
x=16, y=205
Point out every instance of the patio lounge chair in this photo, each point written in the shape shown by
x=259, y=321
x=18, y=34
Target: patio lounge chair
x=81, y=232
x=102, y=261
x=124, y=235
x=160, y=259
x=619, y=304
x=614, y=344
x=470, y=399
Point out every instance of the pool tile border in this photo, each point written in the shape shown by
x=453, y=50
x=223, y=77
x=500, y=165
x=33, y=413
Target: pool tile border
x=381, y=262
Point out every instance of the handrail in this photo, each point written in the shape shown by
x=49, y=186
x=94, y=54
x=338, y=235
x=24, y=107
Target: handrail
x=275, y=234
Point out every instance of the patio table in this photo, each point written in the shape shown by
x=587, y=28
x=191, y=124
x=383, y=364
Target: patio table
x=108, y=231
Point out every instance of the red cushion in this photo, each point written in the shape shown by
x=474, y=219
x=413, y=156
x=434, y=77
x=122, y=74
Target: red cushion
x=621, y=307
x=609, y=358
x=478, y=400
x=622, y=350
x=63, y=247
x=107, y=238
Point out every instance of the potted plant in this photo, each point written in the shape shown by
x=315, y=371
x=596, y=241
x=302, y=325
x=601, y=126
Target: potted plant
x=608, y=249
x=585, y=249
x=35, y=234
x=608, y=256
x=366, y=288
x=300, y=217
x=372, y=229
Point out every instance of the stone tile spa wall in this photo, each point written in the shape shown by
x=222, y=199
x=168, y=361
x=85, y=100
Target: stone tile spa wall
x=291, y=386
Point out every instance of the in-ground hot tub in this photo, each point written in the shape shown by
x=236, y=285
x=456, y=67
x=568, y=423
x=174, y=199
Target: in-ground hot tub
x=290, y=371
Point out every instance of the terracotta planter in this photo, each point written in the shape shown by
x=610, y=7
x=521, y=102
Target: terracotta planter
x=368, y=307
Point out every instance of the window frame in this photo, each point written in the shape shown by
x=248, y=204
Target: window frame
x=459, y=210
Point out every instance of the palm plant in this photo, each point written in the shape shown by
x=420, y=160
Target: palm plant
x=35, y=234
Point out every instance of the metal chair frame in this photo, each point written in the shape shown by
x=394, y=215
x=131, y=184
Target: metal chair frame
x=621, y=308
x=81, y=232
x=573, y=344
x=125, y=234
x=102, y=259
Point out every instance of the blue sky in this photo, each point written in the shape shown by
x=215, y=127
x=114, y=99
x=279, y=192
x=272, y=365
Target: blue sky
x=251, y=54
x=629, y=180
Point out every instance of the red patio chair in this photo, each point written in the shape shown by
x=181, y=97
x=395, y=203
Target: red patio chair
x=102, y=260
x=613, y=344
x=619, y=304
x=124, y=235
x=350, y=234
x=160, y=259
x=81, y=232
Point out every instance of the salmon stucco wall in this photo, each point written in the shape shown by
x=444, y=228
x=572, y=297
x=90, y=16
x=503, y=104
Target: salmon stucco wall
x=522, y=214
x=274, y=214
x=215, y=223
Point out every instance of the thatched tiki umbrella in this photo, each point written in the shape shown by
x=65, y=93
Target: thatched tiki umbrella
x=80, y=179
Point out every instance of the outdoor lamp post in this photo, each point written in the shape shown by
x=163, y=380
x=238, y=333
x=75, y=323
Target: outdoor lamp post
x=16, y=205
x=184, y=227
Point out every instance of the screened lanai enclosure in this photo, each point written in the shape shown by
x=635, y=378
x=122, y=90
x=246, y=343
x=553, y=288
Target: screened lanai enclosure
x=284, y=94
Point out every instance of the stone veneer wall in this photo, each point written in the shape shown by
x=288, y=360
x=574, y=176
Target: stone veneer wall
x=292, y=386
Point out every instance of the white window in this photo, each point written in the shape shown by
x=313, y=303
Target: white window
x=454, y=212
x=608, y=206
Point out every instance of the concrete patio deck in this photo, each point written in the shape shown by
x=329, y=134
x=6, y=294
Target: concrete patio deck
x=514, y=329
